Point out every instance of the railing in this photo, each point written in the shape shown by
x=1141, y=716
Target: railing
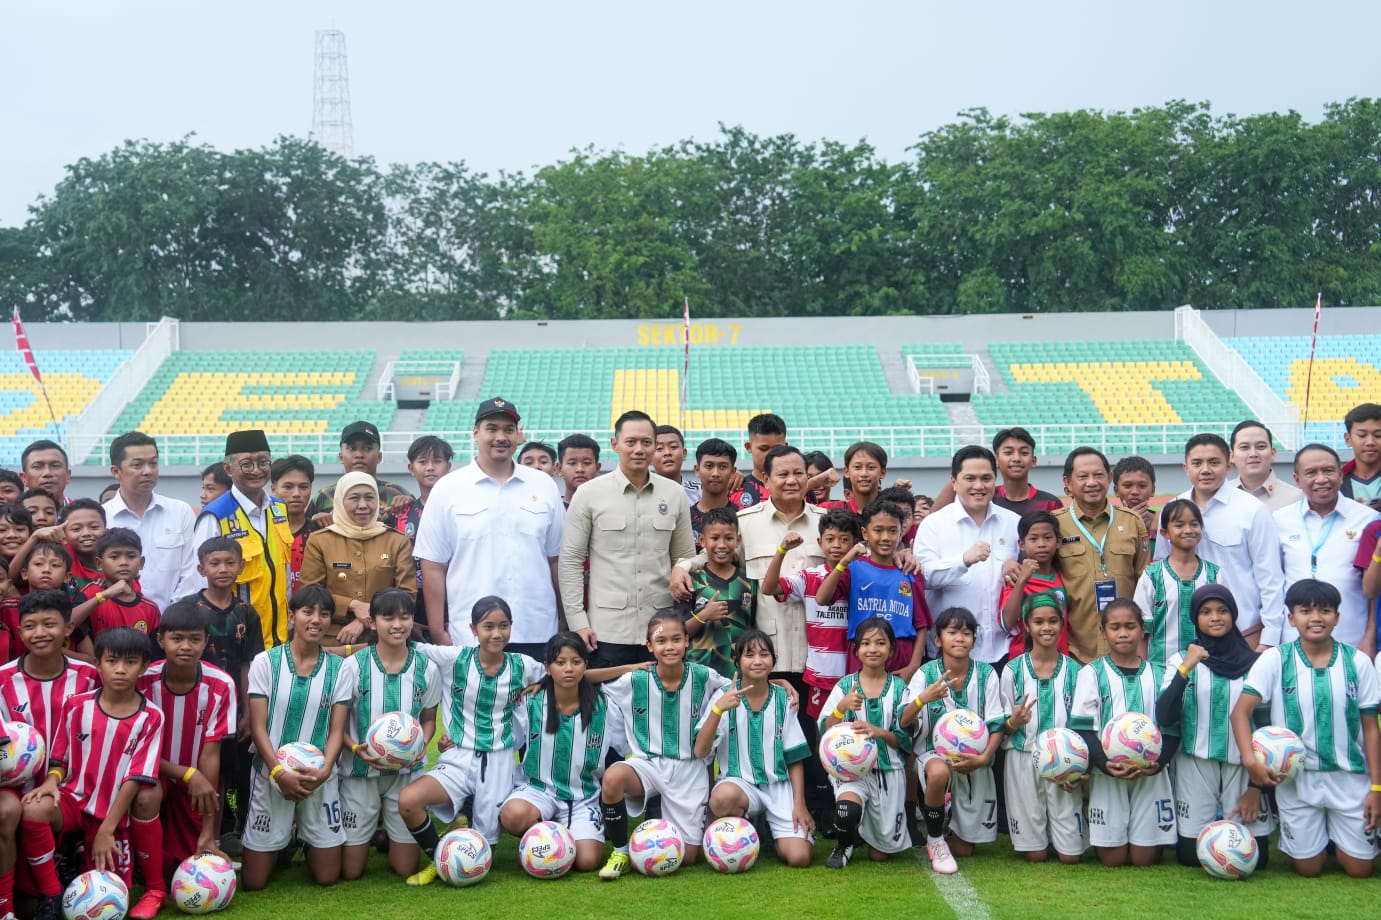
x=925, y=384
x=1237, y=375
x=87, y=431
x=444, y=388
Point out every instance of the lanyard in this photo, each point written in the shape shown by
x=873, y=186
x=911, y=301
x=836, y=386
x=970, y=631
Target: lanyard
x=1323, y=537
x=1097, y=544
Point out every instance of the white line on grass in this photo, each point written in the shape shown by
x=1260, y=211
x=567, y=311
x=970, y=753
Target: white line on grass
x=961, y=897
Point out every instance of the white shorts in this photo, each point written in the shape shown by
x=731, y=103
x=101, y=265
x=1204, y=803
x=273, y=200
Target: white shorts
x=1206, y=789
x=1136, y=811
x=777, y=801
x=583, y=818
x=1040, y=813
x=972, y=804
x=883, y=794
x=363, y=798
x=269, y=823
x=684, y=786
x=1316, y=807
x=486, y=776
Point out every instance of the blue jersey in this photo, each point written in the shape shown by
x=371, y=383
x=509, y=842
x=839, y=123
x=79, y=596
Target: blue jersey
x=884, y=591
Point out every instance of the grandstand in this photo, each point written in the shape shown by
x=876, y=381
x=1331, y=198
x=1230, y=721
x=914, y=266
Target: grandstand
x=1347, y=371
x=72, y=379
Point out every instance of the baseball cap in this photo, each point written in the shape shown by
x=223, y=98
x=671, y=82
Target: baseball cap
x=496, y=406
x=359, y=429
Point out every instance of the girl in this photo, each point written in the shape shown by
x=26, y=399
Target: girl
x=1130, y=812
x=392, y=677
x=297, y=693
x=1037, y=688
x=762, y=752
x=571, y=726
x=874, y=807
x=661, y=708
x=1198, y=702
x=1164, y=589
x=956, y=681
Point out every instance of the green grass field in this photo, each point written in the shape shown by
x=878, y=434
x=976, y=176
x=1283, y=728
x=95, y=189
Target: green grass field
x=1004, y=884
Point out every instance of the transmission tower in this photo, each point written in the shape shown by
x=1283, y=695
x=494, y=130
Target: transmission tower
x=331, y=126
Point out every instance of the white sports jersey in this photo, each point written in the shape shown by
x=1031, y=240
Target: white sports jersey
x=482, y=712
x=1164, y=601
x=661, y=723
x=299, y=708
x=1054, y=698
x=569, y=762
x=759, y=746
x=981, y=694
x=1205, y=715
x=417, y=687
x=883, y=711
x=1324, y=706
x=1104, y=691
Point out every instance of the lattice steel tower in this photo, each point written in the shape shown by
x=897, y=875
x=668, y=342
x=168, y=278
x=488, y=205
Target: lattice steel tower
x=331, y=126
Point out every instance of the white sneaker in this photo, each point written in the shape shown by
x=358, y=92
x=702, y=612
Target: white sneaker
x=941, y=859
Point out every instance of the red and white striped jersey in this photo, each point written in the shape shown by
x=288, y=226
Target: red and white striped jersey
x=39, y=702
x=206, y=713
x=101, y=753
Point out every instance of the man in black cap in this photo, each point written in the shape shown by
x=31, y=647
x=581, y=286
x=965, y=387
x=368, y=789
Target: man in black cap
x=492, y=527
x=359, y=451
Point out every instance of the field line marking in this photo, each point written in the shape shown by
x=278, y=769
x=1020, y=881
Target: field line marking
x=961, y=896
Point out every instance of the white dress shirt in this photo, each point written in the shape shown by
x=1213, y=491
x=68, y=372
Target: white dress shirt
x=1241, y=536
x=495, y=538
x=170, y=555
x=941, y=541
x=1275, y=492
x=1332, y=542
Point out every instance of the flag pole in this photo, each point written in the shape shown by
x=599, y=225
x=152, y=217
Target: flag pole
x=685, y=370
x=1309, y=375
x=21, y=340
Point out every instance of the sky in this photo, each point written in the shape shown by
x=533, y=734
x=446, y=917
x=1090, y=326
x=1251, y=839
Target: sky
x=512, y=85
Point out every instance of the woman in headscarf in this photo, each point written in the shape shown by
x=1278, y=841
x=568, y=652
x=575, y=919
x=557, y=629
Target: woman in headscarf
x=355, y=556
x=1197, y=703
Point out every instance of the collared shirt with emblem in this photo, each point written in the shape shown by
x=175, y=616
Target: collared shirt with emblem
x=1126, y=553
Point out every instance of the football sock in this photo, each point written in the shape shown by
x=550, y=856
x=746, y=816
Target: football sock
x=147, y=840
x=847, y=815
x=912, y=830
x=426, y=836
x=1185, y=852
x=934, y=821
x=1263, y=852
x=7, y=893
x=616, y=825
x=36, y=841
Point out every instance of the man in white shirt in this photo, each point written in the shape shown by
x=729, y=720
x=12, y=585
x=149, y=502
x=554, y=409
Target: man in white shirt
x=1253, y=456
x=492, y=527
x=164, y=524
x=1239, y=535
x=1318, y=539
x=962, y=548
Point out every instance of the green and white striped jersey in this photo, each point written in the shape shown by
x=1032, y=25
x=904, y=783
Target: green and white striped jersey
x=481, y=711
x=759, y=745
x=570, y=762
x=415, y=688
x=1324, y=706
x=660, y=722
x=1164, y=601
x=299, y=708
x=1103, y=691
x=981, y=694
x=883, y=710
x=1206, y=713
x=1054, y=698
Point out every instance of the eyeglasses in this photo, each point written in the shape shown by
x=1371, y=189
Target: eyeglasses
x=249, y=466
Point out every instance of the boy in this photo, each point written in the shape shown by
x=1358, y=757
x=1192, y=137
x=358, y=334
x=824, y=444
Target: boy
x=1362, y=474
x=714, y=464
x=577, y=461
x=11, y=487
x=1016, y=457
x=1038, y=535
x=199, y=710
x=1134, y=484
x=16, y=526
x=765, y=431
x=669, y=457
x=722, y=605
x=81, y=524
x=291, y=480
x=429, y=458
x=901, y=497
x=539, y=456
x=42, y=507
x=1325, y=692
x=102, y=779
x=33, y=689
x=115, y=600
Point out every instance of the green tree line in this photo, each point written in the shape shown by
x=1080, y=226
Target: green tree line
x=1069, y=211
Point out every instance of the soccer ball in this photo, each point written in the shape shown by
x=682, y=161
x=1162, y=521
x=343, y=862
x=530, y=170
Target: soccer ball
x=656, y=847
x=547, y=850
x=731, y=845
x=463, y=858
x=1226, y=850
x=397, y=739
x=23, y=756
x=1280, y=749
x=203, y=884
x=847, y=755
x=1131, y=739
x=299, y=755
x=96, y=895
x=959, y=732
x=1061, y=756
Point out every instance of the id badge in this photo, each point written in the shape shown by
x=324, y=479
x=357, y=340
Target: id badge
x=1105, y=592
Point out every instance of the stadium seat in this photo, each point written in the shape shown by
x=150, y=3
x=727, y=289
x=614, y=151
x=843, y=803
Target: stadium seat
x=72, y=379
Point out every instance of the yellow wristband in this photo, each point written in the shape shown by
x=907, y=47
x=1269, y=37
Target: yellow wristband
x=837, y=713
x=1376, y=557
x=355, y=747
x=840, y=568
x=781, y=550
x=1375, y=787
x=187, y=777
x=920, y=703
x=697, y=619
x=1183, y=673
x=716, y=710
x=349, y=650
x=277, y=768
x=56, y=772
x=100, y=597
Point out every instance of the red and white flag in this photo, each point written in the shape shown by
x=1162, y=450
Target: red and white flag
x=21, y=339
x=1313, y=343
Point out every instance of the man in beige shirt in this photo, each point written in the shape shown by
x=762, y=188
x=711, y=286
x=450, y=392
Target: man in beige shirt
x=1253, y=456
x=633, y=525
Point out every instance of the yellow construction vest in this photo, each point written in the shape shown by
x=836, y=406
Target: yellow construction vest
x=264, y=581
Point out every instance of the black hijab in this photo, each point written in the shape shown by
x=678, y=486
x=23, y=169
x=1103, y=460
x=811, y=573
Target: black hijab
x=1229, y=655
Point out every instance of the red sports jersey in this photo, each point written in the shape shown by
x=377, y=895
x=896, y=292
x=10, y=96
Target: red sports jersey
x=205, y=713
x=102, y=753
x=82, y=574
x=39, y=702
x=140, y=613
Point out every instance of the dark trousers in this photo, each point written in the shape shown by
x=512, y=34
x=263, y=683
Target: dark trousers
x=534, y=650
x=613, y=654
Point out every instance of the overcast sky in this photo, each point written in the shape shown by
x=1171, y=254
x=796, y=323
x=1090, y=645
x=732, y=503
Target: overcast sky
x=510, y=84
